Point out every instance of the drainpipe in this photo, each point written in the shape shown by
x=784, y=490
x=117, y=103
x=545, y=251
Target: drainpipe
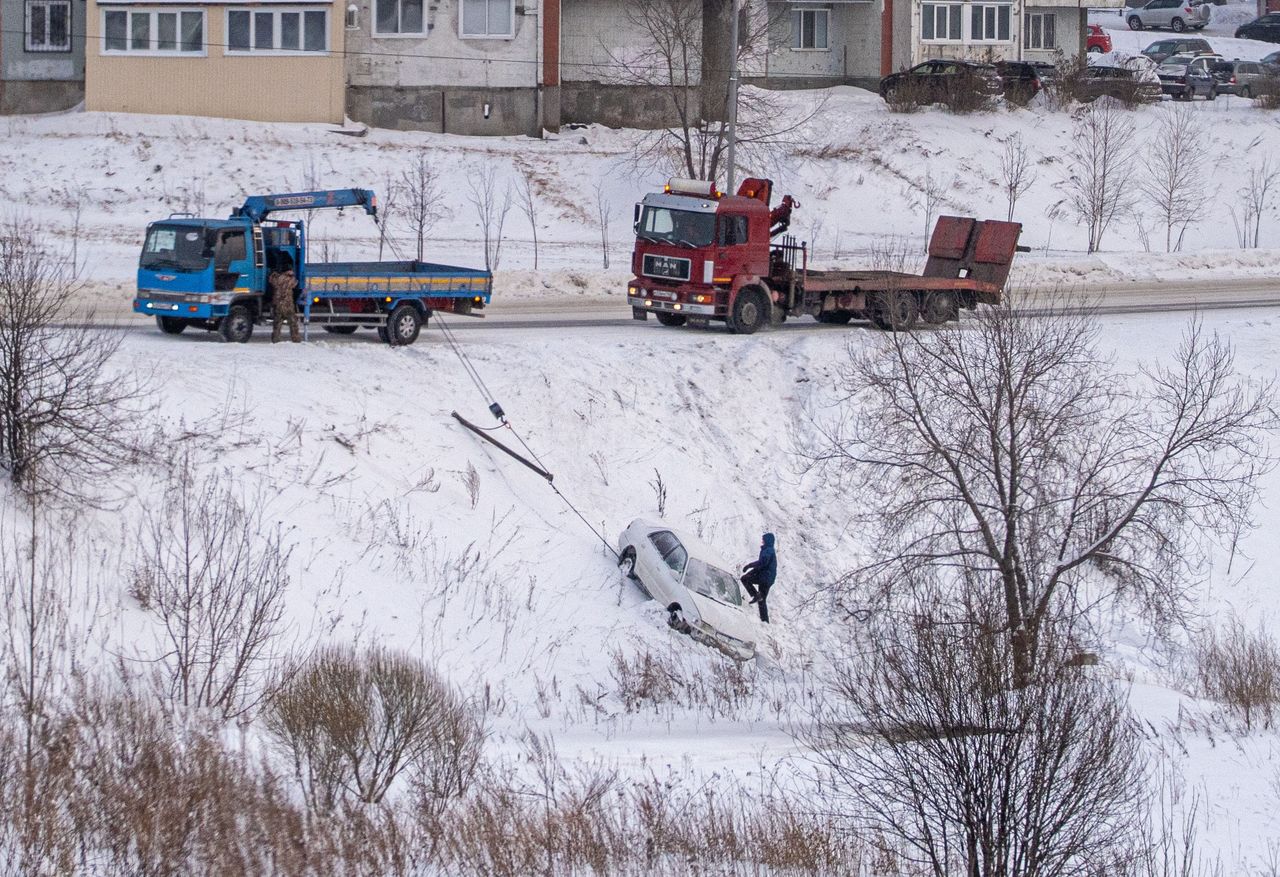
x=538, y=75
x=886, y=38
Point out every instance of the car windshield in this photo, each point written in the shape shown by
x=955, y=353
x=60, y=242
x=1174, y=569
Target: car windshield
x=1174, y=65
x=713, y=582
x=175, y=247
x=684, y=228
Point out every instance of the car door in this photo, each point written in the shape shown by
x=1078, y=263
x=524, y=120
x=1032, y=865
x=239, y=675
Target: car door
x=1199, y=79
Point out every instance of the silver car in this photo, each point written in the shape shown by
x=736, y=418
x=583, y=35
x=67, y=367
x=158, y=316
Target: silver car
x=1176, y=15
x=702, y=598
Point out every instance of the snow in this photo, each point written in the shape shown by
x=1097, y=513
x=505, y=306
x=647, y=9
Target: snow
x=1220, y=32
x=492, y=576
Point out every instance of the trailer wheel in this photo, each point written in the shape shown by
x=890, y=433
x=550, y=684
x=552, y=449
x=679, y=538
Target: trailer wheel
x=939, y=308
x=237, y=325
x=671, y=319
x=750, y=311
x=170, y=325
x=840, y=318
x=403, y=326
x=895, y=311
x=340, y=330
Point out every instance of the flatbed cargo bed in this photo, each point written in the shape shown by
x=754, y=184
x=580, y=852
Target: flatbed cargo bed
x=404, y=278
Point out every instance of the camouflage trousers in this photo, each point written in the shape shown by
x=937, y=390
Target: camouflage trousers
x=284, y=309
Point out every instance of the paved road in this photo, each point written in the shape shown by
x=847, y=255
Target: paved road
x=1129, y=298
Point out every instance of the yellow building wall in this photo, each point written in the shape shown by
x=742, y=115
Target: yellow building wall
x=265, y=88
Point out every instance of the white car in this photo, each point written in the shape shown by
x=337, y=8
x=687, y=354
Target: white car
x=703, y=599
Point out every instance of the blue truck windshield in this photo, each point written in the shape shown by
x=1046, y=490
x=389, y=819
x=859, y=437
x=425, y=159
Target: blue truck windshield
x=681, y=227
x=175, y=248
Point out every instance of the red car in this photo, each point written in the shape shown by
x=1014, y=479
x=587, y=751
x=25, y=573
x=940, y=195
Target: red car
x=1098, y=40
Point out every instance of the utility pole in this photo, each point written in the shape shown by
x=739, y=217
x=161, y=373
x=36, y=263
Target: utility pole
x=733, y=98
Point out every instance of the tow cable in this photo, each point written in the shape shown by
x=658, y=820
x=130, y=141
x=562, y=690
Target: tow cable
x=535, y=464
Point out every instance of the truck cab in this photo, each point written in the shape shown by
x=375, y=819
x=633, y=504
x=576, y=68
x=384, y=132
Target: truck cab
x=699, y=251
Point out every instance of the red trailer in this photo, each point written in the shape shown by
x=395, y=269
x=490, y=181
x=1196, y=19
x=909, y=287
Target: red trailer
x=704, y=255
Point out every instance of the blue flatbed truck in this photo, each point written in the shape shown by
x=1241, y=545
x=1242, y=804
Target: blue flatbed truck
x=213, y=274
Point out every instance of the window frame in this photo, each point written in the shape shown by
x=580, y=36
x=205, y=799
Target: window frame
x=401, y=34
x=994, y=9
x=153, y=31
x=254, y=13
x=487, y=35
x=797, y=28
x=46, y=48
x=947, y=9
x=1027, y=31
x=943, y=10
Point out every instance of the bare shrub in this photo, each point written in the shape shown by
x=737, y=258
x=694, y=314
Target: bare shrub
x=1016, y=172
x=216, y=575
x=527, y=198
x=1241, y=669
x=1256, y=199
x=908, y=96
x=353, y=721
x=925, y=743
x=647, y=680
x=1011, y=458
x=1174, y=182
x=68, y=420
x=492, y=204
x=1100, y=162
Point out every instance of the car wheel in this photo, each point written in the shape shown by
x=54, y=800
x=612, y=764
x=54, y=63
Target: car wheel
x=1135, y=23
x=675, y=619
x=237, y=326
x=1095, y=50
x=627, y=563
x=1178, y=25
x=1246, y=93
x=750, y=310
x=671, y=319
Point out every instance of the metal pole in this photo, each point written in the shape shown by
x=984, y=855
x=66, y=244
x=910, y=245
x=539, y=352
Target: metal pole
x=733, y=98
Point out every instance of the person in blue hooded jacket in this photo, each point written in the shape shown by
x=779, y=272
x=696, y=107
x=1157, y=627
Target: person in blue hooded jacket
x=759, y=575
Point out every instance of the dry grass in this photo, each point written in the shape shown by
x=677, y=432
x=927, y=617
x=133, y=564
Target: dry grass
x=1241, y=669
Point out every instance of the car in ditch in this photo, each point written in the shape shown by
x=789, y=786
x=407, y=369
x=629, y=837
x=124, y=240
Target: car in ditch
x=702, y=597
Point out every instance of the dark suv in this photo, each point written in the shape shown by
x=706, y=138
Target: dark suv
x=940, y=81
x=1124, y=85
x=1266, y=28
x=1243, y=78
x=1161, y=49
x=1020, y=81
x=1185, y=76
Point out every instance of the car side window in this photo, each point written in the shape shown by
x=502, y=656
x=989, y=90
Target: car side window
x=673, y=553
x=733, y=230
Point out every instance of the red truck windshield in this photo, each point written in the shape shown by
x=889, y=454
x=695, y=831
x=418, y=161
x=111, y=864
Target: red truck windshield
x=685, y=228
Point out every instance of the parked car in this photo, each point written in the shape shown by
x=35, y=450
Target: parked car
x=1271, y=62
x=1128, y=86
x=1266, y=28
x=1177, y=15
x=1185, y=76
x=701, y=596
x=1098, y=41
x=1161, y=49
x=1243, y=78
x=1020, y=81
x=941, y=81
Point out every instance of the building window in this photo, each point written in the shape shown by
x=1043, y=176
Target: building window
x=809, y=28
x=488, y=18
x=160, y=31
x=989, y=24
x=48, y=25
x=1040, y=30
x=398, y=16
x=941, y=22
x=294, y=30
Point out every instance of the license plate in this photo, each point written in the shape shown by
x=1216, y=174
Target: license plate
x=161, y=307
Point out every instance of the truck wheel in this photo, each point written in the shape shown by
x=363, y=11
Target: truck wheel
x=671, y=319
x=403, y=326
x=939, y=308
x=237, y=325
x=170, y=325
x=835, y=318
x=340, y=330
x=895, y=311
x=750, y=311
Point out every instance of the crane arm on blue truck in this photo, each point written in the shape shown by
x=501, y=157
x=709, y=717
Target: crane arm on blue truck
x=258, y=207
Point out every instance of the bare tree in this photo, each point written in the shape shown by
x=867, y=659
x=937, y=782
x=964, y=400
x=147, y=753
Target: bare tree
x=68, y=419
x=671, y=62
x=1100, y=162
x=1174, y=182
x=1256, y=198
x=388, y=210
x=1016, y=172
x=1012, y=459
x=419, y=185
x=216, y=574
x=933, y=190
x=354, y=721
x=492, y=204
x=603, y=219
x=526, y=192
x=925, y=744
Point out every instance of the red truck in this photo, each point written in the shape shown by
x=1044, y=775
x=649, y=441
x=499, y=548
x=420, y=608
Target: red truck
x=705, y=255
